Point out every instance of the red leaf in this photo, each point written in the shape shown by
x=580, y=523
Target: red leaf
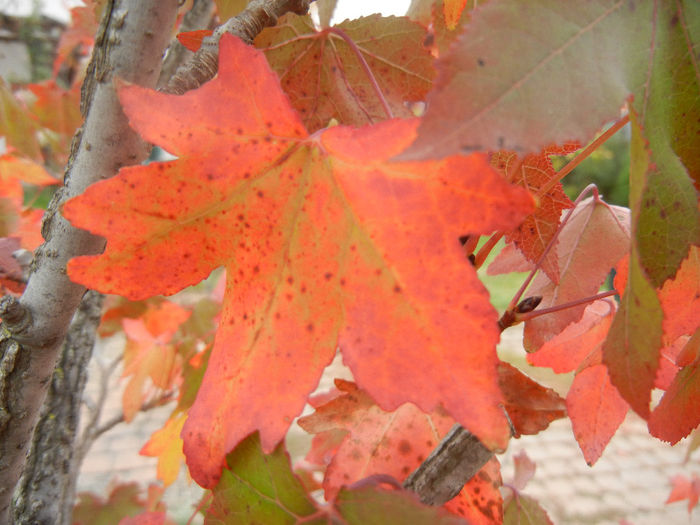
x=530, y=406
x=326, y=244
x=480, y=501
x=583, y=266
x=192, y=40
x=324, y=79
x=149, y=353
x=580, y=343
x=524, y=470
x=378, y=442
x=534, y=233
x=680, y=299
x=145, y=518
x=596, y=410
x=684, y=488
x=678, y=412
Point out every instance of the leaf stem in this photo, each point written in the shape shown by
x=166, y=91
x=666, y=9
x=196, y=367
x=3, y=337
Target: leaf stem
x=485, y=250
x=585, y=153
x=373, y=81
x=519, y=318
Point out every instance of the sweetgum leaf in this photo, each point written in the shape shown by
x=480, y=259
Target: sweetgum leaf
x=166, y=445
x=596, y=410
x=324, y=79
x=507, y=85
x=530, y=406
x=258, y=488
x=378, y=442
x=678, y=412
x=524, y=510
x=326, y=244
x=579, y=343
x=632, y=349
x=680, y=299
x=524, y=75
x=583, y=266
x=480, y=501
x=375, y=506
x=534, y=233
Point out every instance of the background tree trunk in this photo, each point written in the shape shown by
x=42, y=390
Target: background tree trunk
x=47, y=489
x=129, y=45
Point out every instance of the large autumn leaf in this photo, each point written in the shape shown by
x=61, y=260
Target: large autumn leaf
x=324, y=78
x=325, y=242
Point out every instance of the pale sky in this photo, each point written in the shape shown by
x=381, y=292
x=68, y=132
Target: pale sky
x=59, y=9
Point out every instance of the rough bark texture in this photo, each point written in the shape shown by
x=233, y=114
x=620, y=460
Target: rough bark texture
x=247, y=25
x=454, y=461
x=201, y=16
x=46, y=491
x=130, y=45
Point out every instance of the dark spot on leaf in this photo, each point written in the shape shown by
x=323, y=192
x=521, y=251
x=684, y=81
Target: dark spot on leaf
x=481, y=62
x=310, y=327
x=404, y=447
x=327, y=276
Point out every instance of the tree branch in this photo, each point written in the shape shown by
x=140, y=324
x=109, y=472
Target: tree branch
x=201, y=16
x=46, y=491
x=130, y=44
x=247, y=25
x=449, y=466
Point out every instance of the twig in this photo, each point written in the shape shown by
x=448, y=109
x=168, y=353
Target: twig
x=163, y=399
x=247, y=25
x=200, y=16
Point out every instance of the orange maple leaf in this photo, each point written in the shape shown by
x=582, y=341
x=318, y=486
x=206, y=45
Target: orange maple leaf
x=326, y=243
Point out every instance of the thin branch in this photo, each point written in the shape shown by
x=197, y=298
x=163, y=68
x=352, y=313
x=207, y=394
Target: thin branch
x=258, y=15
x=585, y=153
x=200, y=16
x=159, y=401
x=526, y=316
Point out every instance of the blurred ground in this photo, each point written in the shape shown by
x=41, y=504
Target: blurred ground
x=630, y=481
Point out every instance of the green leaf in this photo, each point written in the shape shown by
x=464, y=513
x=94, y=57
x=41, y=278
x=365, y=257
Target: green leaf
x=662, y=196
x=258, y=488
x=524, y=510
x=371, y=505
x=631, y=350
x=261, y=488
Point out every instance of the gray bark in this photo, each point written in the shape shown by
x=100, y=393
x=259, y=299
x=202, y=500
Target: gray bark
x=454, y=461
x=46, y=491
x=258, y=15
x=130, y=45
